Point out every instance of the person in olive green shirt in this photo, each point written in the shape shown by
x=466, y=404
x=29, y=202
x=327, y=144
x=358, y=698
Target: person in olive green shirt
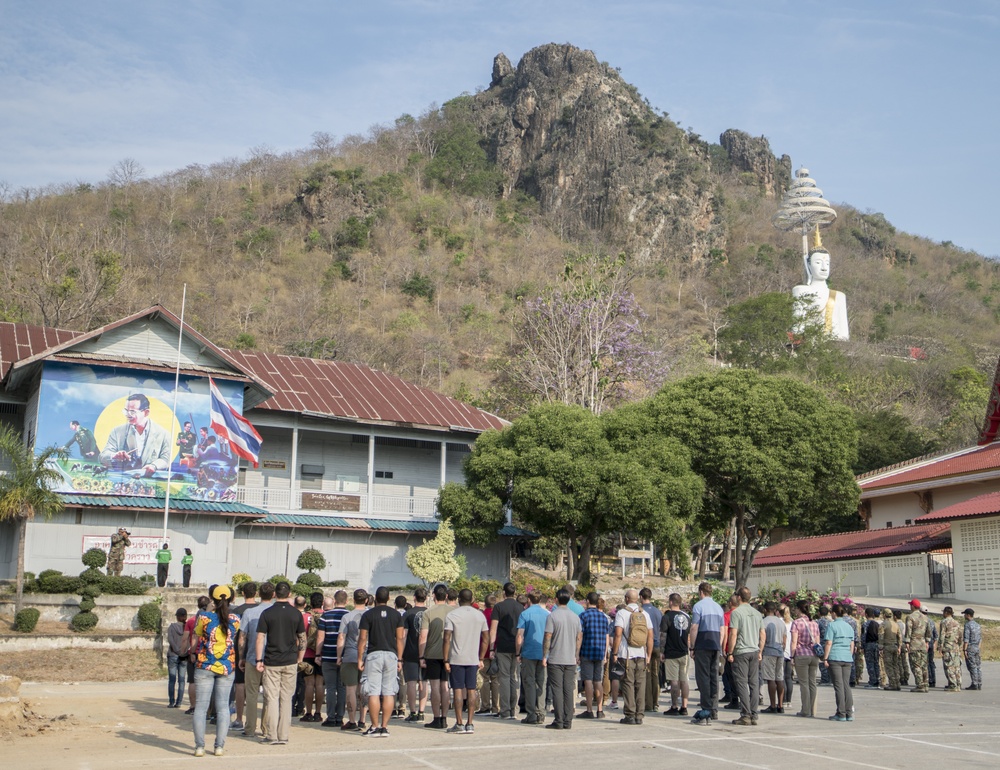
x=745, y=647
x=186, y=561
x=163, y=557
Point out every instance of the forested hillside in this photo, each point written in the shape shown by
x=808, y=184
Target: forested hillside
x=437, y=249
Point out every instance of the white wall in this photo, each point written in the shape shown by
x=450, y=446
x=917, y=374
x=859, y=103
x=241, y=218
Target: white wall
x=902, y=576
x=976, y=550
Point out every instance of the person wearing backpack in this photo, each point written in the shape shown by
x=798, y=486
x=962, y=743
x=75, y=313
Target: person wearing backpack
x=634, y=648
x=313, y=674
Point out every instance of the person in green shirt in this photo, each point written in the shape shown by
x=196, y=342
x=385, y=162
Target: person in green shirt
x=186, y=561
x=163, y=557
x=745, y=648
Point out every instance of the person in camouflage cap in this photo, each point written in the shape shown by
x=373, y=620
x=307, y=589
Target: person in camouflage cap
x=950, y=647
x=116, y=556
x=890, y=644
x=919, y=634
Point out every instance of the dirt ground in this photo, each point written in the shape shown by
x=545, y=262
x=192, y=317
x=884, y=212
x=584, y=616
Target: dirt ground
x=80, y=665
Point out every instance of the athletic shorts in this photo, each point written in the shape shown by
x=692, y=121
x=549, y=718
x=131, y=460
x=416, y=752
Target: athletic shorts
x=435, y=670
x=676, y=669
x=412, y=672
x=349, y=674
x=380, y=676
x=463, y=677
x=772, y=668
x=190, y=664
x=591, y=670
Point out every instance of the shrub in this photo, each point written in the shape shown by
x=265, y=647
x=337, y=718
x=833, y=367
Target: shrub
x=123, y=586
x=149, y=617
x=26, y=620
x=90, y=591
x=311, y=559
x=275, y=579
x=83, y=621
x=95, y=558
x=147, y=578
x=47, y=573
x=59, y=583
x=240, y=579
x=302, y=589
x=310, y=579
x=86, y=605
x=338, y=584
x=92, y=575
x=30, y=583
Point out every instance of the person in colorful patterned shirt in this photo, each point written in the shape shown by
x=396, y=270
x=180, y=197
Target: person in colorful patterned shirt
x=217, y=633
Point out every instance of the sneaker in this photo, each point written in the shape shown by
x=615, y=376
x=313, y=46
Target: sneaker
x=672, y=712
x=850, y=718
x=613, y=706
x=199, y=752
x=382, y=732
x=412, y=717
x=331, y=723
x=600, y=715
x=682, y=712
x=370, y=732
x=483, y=712
x=349, y=726
x=626, y=721
x=743, y=722
x=585, y=715
x=529, y=721
x=732, y=706
x=307, y=717
x=753, y=721
x=556, y=726
x=779, y=710
x=456, y=728
x=237, y=725
x=219, y=751
x=701, y=720
x=469, y=729
x=361, y=726
x=838, y=718
x=191, y=710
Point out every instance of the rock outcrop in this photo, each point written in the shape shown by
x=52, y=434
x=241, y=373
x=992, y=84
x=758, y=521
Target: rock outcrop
x=566, y=129
x=752, y=155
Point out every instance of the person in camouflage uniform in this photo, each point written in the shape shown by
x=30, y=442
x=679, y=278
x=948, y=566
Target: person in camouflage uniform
x=972, y=636
x=904, y=662
x=918, y=634
x=116, y=556
x=931, y=666
x=890, y=644
x=858, y=666
x=950, y=647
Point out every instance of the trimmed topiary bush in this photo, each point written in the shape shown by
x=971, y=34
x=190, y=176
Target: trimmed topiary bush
x=149, y=617
x=311, y=559
x=275, y=579
x=26, y=620
x=95, y=558
x=83, y=621
x=86, y=605
x=310, y=579
x=90, y=591
x=123, y=586
x=338, y=584
x=59, y=584
x=92, y=575
x=302, y=589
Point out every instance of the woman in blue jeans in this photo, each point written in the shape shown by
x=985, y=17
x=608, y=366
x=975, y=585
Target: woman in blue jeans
x=177, y=659
x=215, y=667
x=838, y=656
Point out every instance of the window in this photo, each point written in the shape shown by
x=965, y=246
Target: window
x=909, y=522
x=888, y=525
x=383, y=474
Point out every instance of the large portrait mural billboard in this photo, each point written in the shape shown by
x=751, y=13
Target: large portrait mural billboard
x=122, y=437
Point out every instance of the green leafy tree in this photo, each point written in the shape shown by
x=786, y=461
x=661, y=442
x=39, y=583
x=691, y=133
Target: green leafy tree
x=771, y=451
x=434, y=560
x=885, y=438
x=967, y=390
x=568, y=473
x=25, y=491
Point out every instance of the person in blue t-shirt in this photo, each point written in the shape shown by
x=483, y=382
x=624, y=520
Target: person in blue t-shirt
x=705, y=641
x=530, y=636
x=838, y=656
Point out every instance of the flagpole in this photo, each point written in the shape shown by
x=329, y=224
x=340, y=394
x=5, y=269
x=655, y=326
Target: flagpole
x=177, y=384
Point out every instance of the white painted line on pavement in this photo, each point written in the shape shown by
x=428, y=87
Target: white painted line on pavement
x=808, y=753
x=944, y=745
x=706, y=756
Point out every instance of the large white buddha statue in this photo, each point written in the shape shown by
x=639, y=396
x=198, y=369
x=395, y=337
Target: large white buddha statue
x=818, y=300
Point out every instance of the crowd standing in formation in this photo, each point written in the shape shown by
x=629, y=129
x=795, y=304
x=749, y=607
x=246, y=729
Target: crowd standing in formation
x=270, y=660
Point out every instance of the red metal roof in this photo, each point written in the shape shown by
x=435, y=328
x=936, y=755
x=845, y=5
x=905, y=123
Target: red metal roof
x=20, y=341
x=865, y=544
x=983, y=505
x=354, y=391
x=328, y=388
x=974, y=460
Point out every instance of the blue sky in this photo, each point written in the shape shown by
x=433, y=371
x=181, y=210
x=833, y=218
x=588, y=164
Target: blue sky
x=892, y=105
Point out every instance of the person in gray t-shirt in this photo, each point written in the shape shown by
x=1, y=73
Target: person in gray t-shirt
x=773, y=661
x=560, y=656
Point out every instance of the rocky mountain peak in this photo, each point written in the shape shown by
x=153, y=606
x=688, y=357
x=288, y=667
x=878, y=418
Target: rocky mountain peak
x=752, y=155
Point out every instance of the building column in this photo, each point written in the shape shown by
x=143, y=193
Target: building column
x=371, y=473
x=444, y=462
x=294, y=498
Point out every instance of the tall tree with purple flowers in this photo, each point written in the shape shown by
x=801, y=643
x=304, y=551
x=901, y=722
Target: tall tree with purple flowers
x=582, y=342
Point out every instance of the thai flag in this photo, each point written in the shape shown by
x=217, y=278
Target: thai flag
x=244, y=440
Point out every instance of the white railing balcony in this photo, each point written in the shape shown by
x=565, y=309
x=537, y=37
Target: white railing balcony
x=334, y=503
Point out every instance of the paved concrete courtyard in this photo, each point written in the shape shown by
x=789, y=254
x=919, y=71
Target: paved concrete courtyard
x=129, y=726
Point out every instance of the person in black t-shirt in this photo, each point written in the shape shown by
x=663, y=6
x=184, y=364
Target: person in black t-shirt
x=416, y=687
x=283, y=629
x=674, y=629
x=503, y=640
x=380, y=649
